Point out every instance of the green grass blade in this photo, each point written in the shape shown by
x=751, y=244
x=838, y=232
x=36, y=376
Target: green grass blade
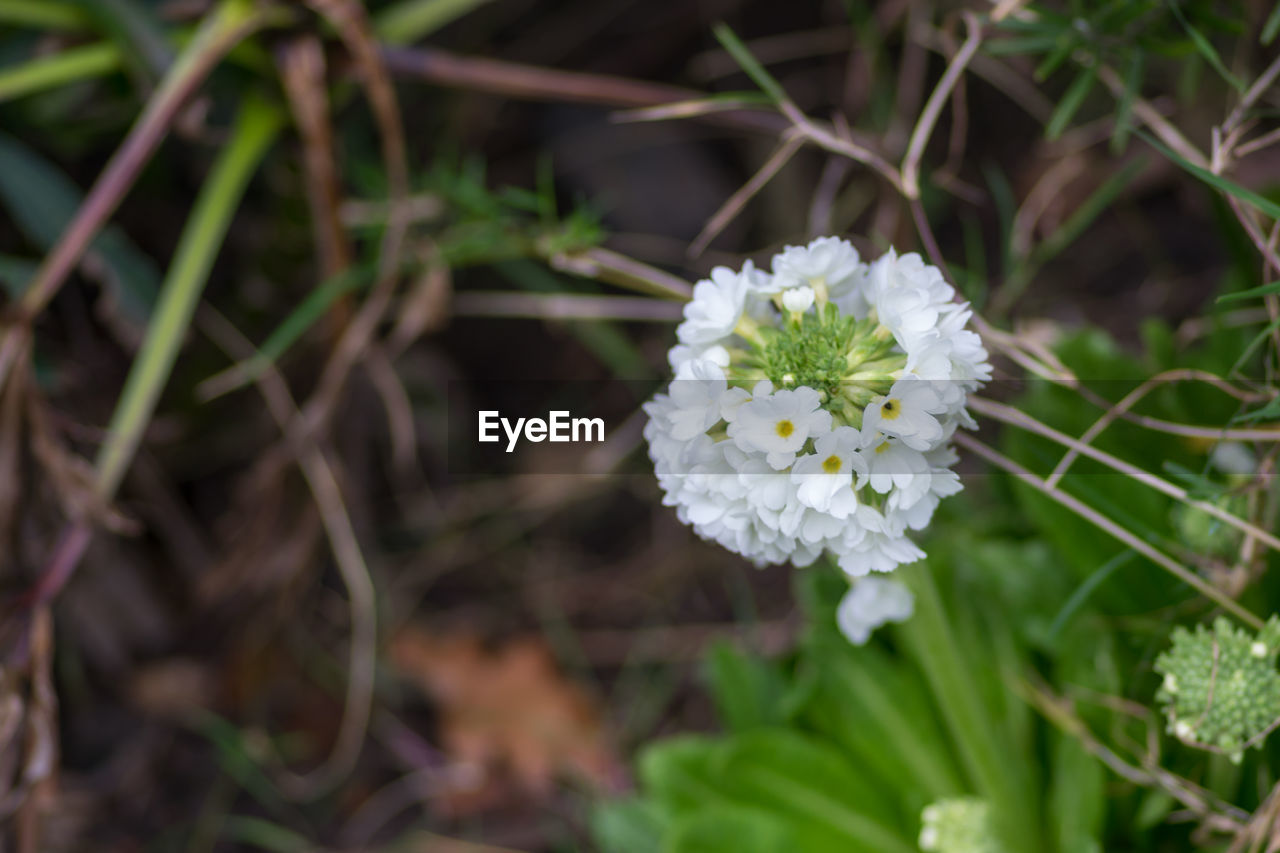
x=42, y=14
x=1124, y=109
x=136, y=30
x=68, y=66
x=1271, y=27
x=409, y=20
x=748, y=63
x=1206, y=49
x=1271, y=287
x=1254, y=344
x=309, y=311
x=256, y=127
x=1266, y=205
x=1071, y=101
x=1087, y=212
x=1082, y=593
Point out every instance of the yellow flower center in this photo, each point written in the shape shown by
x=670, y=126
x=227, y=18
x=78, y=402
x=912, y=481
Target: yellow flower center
x=832, y=464
x=785, y=428
x=891, y=409
x=884, y=445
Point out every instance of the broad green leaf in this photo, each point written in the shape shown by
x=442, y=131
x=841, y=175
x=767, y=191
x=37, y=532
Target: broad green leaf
x=682, y=773
x=628, y=826
x=748, y=691
x=795, y=775
x=15, y=273
x=735, y=830
x=1076, y=796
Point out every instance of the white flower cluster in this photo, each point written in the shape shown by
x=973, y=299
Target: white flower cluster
x=812, y=409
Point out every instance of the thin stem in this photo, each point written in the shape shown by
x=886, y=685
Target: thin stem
x=791, y=143
x=1131, y=399
x=1099, y=520
x=221, y=30
x=933, y=107
x=1012, y=416
x=319, y=474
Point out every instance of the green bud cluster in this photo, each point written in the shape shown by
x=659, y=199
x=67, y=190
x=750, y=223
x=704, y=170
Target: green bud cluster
x=849, y=362
x=958, y=825
x=1207, y=535
x=1221, y=689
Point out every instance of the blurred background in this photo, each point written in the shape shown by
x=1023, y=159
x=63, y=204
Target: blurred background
x=249, y=602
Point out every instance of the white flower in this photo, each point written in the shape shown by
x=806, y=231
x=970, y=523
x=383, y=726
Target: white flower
x=716, y=307
x=798, y=300
x=907, y=413
x=826, y=477
x=696, y=393
x=790, y=433
x=827, y=263
x=908, y=296
x=870, y=603
x=777, y=423
x=892, y=465
x=682, y=354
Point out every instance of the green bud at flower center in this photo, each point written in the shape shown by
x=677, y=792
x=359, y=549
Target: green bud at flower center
x=850, y=362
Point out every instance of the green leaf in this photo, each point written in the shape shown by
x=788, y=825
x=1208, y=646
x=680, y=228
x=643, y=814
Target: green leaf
x=628, y=826
x=997, y=774
x=1271, y=287
x=42, y=199
x=1082, y=593
x=1089, y=210
x=1124, y=109
x=42, y=14
x=1270, y=208
x=735, y=830
x=748, y=691
x=1268, y=412
x=136, y=31
x=795, y=775
x=1071, y=101
x=410, y=20
x=1206, y=48
x=681, y=773
x=1076, y=797
x=66, y=66
x=1271, y=27
x=255, y=130
x=15, y=273
x=748, y=63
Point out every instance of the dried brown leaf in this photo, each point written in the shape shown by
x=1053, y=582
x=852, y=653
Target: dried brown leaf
x=509, y=710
